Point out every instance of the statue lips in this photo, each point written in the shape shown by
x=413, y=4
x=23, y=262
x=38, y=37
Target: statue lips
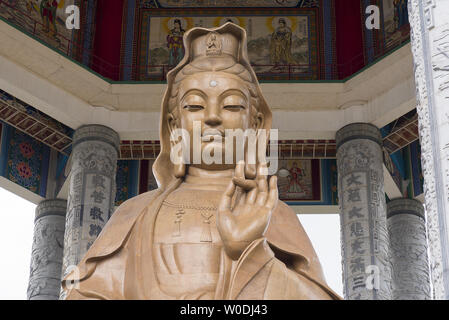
x=212, y=135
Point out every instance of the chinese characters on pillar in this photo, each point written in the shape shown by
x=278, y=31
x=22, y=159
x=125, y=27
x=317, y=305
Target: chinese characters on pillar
x=363, y=221
x=96, y=203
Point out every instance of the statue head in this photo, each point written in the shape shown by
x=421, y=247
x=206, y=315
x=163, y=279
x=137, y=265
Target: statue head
x=215, y=86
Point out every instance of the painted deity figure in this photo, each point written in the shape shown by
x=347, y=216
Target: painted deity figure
x=174, y=43
x=212, y=230
x=281, y=44
x=29, y=6
x=48, y=14
x=400, y=13
x=296, y=174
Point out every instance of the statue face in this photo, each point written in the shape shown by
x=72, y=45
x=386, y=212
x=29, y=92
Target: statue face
x=217, y=101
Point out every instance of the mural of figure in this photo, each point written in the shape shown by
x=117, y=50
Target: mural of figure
x=174, y=43
x=281, y=44
x=400, y=13
x=29, y=6
x=404, y=12
x=296, y=174
x=48, y=15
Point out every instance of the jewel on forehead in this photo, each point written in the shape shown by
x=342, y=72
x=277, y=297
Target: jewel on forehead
x=213, y=83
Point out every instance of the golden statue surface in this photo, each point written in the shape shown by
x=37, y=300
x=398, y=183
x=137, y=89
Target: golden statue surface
x=211, y=230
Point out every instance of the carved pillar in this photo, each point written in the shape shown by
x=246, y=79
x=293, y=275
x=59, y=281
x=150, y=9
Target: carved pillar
x=430, y=45
x=366, y=266
x=91, y=189
x=408, y=249
x=46, y=255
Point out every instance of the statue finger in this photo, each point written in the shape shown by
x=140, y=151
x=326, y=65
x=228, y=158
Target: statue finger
x=240, y=170
x=226, y=199
x=262, y=198
x=262, y=170
x=251, y=196
x=263, y=191
x=240, y=196
x=262, y=183
x=245, y=184
x=273, y=194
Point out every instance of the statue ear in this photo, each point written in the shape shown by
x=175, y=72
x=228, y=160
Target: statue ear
x=258, y=125
x=172, y=122
x=250, y=168
x=179, y=168
x=259, y=120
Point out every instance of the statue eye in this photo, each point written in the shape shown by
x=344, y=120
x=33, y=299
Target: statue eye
x=193, y=107
x=234, y=107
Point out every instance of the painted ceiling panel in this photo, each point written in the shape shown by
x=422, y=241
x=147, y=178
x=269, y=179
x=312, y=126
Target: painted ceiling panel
x=229, y=3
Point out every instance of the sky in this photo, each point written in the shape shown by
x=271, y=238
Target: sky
x=324, y=232
x=16, y=238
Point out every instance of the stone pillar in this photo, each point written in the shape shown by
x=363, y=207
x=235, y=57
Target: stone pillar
x=366, y=267
x=408, y=250
x=46, y=255
x=429, y=41
x=91, y=189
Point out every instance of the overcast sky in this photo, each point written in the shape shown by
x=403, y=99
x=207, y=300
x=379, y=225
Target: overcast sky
x=16, y=237
x=324, y=232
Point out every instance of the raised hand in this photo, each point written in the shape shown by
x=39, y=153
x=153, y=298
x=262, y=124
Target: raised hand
x=249, y=218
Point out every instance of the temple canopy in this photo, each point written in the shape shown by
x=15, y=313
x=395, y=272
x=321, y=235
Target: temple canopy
x=337, y=86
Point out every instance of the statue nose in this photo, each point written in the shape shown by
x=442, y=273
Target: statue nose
x=213, y=118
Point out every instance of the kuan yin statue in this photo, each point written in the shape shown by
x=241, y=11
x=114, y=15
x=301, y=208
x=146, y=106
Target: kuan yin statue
x=210, y=231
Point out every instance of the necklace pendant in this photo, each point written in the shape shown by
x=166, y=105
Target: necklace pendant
x=206, y=235
x=178, y=220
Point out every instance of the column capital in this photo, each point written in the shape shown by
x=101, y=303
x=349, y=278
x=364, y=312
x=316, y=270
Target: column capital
x=405, y=206
x=50, y=207
x=358, y=130
x=96, y=132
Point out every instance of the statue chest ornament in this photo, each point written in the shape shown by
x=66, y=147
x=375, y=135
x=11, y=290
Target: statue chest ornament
x=189, y=221
x=185, y=228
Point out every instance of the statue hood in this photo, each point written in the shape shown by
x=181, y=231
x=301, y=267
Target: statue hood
x=232, y=42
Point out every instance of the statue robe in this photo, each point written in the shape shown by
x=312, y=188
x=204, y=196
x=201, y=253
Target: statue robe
x=119, y=265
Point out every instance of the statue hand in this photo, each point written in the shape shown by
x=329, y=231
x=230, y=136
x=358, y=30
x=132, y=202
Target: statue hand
x=254, y=204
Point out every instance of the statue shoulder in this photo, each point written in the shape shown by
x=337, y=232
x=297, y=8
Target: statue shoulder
x=285, y=213
x=121, y=223
x=287, y=237
x=286, y=233
x=113, y=235
x=141, y=199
